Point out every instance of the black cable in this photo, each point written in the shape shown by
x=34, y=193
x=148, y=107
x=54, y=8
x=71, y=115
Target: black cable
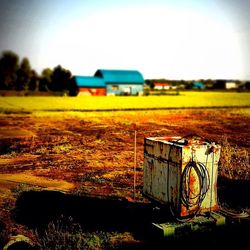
x=201, y=171
x=188, y=197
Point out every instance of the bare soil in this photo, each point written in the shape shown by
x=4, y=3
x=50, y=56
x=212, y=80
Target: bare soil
x=93, y=156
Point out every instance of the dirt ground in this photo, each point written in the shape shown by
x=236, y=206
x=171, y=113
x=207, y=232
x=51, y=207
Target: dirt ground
x=94, y=155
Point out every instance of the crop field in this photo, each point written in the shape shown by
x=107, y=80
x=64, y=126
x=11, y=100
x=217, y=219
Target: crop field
x=77, y=158
x=183, y=100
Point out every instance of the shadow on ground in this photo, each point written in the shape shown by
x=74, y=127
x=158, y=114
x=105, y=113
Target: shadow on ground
x=37, y=209
x=235, y=193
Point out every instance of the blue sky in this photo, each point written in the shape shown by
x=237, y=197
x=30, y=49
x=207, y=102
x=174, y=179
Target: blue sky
x=174, y=39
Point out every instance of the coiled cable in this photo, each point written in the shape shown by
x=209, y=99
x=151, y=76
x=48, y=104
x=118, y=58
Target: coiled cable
x=189, y=197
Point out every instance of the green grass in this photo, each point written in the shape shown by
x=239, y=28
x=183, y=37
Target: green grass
x=67, y=235
x=184, y=100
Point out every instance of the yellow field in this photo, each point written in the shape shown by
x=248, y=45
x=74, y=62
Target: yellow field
x=184, y=100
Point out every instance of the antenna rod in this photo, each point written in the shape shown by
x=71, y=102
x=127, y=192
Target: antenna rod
x=135, y=163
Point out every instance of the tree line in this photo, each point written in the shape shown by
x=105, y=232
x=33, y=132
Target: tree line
x=18, y=75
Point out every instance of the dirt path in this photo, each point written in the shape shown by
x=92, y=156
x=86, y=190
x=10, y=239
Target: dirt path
x=10, y=181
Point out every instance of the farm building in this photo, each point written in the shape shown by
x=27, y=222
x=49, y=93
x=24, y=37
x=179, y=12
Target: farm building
x=161, y=86
x=198, y=85
x=89, y=86
x=231, y=85
x=122, y=82
x=108, y=82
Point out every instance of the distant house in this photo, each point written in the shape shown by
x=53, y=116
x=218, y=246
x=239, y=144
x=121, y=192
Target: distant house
x=198, y=85
x=162, y=86
x=89, y=86
x=121, y=82
x=231, y=85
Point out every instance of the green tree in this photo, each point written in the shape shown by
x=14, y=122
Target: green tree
x=60, y=79
x=150, y=83
x=45, y=80
x=34, y=81
x=247, y=84
x=72, y=87
x=23, y=75
x=8, y=70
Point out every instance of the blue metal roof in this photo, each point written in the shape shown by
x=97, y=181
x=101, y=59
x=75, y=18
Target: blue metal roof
x=120, y=76
x=198, y=85
x=89, y=81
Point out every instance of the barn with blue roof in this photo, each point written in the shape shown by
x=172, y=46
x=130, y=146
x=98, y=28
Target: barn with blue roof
x=198, y=85
x=122, y=82
x=109, y=82
x=89, y=85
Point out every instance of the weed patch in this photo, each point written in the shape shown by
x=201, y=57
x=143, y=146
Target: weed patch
x=65, y=234
x=234, y=162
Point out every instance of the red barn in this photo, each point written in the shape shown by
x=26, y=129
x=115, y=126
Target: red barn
x=89, y=86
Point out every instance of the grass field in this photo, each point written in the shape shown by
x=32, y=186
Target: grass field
x=184, y=100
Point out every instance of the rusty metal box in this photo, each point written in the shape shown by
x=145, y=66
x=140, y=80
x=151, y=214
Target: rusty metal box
x=181, y=173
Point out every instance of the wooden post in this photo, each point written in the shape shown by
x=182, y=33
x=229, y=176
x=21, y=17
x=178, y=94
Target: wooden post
x=135, y=163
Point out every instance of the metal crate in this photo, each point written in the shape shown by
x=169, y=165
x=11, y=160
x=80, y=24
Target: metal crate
x=181, y=173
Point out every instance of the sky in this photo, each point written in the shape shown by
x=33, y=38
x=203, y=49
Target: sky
x=171, y=39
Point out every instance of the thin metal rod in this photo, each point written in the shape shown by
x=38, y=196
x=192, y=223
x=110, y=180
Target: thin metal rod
x=135, y=163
